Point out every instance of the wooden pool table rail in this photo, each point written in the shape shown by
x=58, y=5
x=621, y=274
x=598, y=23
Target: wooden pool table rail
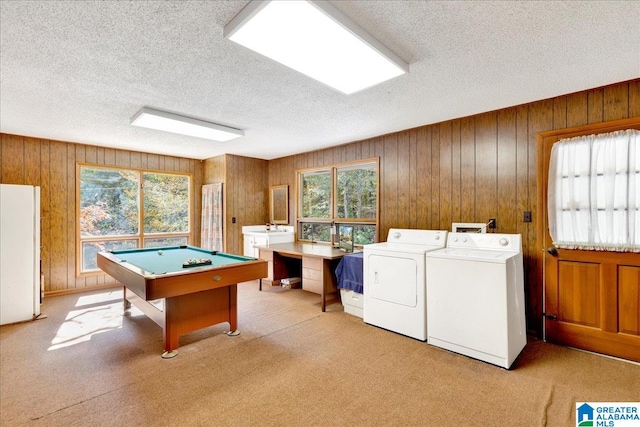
x=193, y=299
x=155, y=286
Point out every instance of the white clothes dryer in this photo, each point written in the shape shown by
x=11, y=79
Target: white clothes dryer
x=395, y=281
x=475, y=297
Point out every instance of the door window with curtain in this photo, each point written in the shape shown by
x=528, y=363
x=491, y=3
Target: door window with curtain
x=594, y=192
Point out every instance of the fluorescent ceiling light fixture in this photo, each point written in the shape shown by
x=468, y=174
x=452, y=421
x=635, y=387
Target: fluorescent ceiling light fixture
x=316, y=39
x=169, y=122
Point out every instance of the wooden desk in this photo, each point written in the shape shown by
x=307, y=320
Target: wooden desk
x=319, y=264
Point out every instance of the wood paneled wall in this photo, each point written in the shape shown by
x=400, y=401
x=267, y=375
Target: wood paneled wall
x=471, y=169
x=52, y=166
x=245, y=194
x=214, y=170
x=464, y=170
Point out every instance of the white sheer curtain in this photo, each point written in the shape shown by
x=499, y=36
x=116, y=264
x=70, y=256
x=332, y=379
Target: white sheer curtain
x=594, y=192
x=211, y=230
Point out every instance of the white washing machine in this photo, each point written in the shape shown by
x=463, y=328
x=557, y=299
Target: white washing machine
x=475, y=297
x=395, y=281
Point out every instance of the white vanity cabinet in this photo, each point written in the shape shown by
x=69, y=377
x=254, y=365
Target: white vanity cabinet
x=251, y=240
x=257, y=235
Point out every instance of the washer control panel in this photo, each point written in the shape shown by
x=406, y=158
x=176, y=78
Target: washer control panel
x=510, y=242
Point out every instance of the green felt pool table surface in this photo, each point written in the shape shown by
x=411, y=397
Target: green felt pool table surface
x=170, y=259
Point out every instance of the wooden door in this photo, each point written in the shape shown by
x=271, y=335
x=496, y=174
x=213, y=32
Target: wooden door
x=591, y=298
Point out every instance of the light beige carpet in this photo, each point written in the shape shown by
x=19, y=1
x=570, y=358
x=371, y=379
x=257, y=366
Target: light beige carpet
x=87, y=364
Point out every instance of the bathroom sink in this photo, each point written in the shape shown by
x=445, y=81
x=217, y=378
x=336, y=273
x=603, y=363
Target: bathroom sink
x=270, y=232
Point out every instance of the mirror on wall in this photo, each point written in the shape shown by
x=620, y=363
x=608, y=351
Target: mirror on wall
x=279, y=204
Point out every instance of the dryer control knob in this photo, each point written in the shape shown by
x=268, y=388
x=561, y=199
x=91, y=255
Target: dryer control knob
x=396, y=235
x=437, y=237
x=464, y=240
x=455, y=239
x=503, y=242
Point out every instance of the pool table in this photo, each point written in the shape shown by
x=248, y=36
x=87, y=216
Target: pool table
x=181, y=298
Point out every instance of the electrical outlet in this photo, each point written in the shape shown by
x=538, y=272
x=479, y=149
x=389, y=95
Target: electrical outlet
x=491, y=223
x=233, y=220
x=526, y=216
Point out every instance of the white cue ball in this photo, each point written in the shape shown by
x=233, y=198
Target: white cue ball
x=159, y=252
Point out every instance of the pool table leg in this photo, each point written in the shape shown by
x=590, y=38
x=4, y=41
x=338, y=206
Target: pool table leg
x=171, y=342
x=126, y=304
x=233, y=310
x=190, y=312
x=171, y=337
x=169, y=354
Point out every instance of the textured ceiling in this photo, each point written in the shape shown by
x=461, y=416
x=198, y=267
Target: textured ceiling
x=77, y=71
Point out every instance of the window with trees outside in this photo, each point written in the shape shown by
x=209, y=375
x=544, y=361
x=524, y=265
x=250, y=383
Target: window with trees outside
x=335, y=195
x=123, y=208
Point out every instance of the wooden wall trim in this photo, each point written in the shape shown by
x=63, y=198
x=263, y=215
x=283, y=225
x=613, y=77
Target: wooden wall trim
x=627, y=123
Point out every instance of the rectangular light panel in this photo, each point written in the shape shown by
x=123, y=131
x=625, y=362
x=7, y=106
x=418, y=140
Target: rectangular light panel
x=316, y=39
x=169, y=122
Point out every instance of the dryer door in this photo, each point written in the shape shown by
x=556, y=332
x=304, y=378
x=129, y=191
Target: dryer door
x=393, y=279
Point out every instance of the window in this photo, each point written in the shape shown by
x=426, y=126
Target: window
x=121, y=209
x=594, y=192
x=335, y=195
x=357, y=191
x=316, y=194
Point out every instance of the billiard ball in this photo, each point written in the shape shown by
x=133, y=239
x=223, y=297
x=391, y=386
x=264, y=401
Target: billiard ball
x=159, y=252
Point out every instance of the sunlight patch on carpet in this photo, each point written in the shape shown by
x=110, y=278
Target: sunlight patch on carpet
x=95, y=314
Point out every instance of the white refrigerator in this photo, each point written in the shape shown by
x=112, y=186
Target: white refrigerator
x=19, y=253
